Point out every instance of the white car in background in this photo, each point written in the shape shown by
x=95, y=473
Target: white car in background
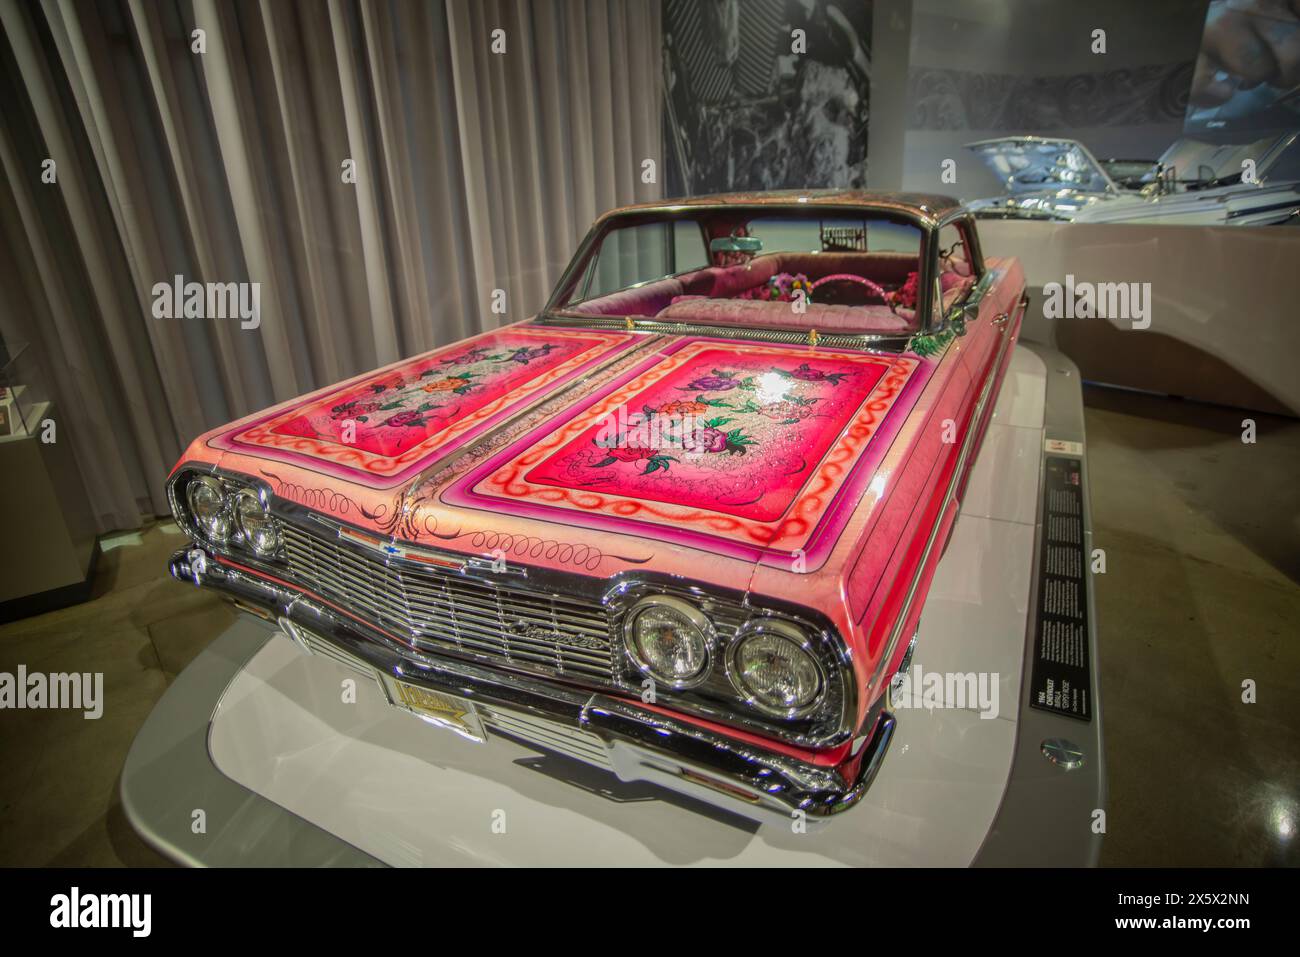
x=1195, y=182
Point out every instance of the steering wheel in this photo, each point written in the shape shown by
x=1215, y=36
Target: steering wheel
x=872, y=287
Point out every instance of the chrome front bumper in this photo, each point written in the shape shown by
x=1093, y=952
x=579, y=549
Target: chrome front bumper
x=634, y=743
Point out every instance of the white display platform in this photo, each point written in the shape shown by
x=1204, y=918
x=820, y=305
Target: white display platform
x=407, y=793
x=1204, y=281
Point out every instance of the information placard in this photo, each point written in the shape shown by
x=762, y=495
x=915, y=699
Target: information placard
x=1062, y=667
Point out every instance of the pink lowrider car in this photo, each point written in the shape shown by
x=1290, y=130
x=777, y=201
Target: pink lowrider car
x=680, y=525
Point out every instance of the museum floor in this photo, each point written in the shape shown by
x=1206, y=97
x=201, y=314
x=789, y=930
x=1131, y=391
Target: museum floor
x=1201, y=592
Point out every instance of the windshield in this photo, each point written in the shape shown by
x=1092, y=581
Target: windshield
x=1199, y=161
x=1129, y=174
x=1029, y=163
x=753, y=266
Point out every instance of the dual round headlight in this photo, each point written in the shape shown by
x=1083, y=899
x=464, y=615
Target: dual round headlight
x=669, y=639
x=220, y=514
x=207, y=501
x=770, y=663
x=259, y=529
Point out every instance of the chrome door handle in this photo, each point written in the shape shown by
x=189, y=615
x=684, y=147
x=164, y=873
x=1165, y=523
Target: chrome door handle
x=1001, y=317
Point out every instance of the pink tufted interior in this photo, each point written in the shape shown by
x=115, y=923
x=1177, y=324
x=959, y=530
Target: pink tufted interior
x=779, y=315
x=638, y=301
x=708, y=294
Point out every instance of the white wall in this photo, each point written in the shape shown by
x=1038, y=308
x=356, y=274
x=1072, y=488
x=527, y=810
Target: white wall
x=1225, y=325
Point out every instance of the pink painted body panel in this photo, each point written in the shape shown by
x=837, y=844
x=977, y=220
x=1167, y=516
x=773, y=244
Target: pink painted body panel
x=815, y=475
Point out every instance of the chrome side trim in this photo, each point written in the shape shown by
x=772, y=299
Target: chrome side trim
x=949, y=496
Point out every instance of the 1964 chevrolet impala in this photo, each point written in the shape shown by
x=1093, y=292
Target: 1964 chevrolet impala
x=680, y=525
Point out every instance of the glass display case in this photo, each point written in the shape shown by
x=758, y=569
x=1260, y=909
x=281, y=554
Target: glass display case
x=22, y=389
x=44, y=505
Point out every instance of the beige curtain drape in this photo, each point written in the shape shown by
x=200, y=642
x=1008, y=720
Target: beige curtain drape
x=475, y=170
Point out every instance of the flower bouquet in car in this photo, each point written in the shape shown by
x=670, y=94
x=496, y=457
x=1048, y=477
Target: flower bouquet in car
x=783, y=287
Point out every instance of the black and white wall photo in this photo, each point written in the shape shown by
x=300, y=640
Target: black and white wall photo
x=766, y=94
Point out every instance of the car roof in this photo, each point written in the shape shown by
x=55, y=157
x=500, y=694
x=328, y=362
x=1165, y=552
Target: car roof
x=929, y=208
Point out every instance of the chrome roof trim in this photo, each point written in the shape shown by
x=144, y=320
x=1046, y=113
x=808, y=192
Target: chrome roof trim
x=926, y=208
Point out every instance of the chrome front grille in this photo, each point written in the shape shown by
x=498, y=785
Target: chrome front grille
x=541, y=732
x=439, y=610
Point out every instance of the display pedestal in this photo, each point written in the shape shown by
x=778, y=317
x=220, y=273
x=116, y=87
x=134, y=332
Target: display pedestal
x=298, y=759
x=43, y=507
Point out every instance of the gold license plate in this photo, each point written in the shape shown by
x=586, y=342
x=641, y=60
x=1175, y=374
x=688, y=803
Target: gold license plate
x=444, y=710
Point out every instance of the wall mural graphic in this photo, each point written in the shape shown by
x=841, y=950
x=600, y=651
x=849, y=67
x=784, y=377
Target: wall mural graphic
x=744, y=111
x=950, y=99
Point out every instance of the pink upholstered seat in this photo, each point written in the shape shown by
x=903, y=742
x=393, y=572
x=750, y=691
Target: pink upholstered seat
x=638, y=301
x=723, y=282
x=712, y=291
x=779, y=315
x=888, y=269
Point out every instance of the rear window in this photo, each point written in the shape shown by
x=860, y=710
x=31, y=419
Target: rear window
x=753, y=266
x=839, y=234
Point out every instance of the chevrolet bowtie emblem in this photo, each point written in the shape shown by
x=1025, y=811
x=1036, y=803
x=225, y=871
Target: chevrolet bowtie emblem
x=391, y=549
